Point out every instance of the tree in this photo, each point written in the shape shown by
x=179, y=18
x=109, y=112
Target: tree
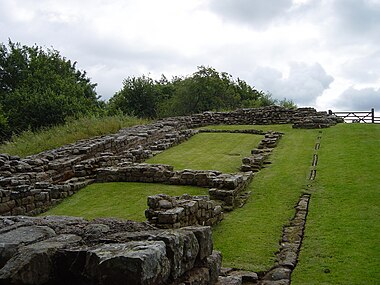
x=139, y=97
x=41, y=88
x=205, y=90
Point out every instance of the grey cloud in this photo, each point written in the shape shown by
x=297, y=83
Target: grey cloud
x=358, y=16
x=303, y=85
x=256, y=12
x=353, y=99
x=363, y=69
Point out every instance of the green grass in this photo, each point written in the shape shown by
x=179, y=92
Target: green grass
x=342, y=239
x=119, y=200
x=29, y=143
x=210, y=151
x=249, y=237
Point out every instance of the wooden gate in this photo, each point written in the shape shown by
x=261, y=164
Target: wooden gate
x=357, y=116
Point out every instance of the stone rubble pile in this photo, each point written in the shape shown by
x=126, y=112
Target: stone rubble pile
x=176, y=212
x=303, y=119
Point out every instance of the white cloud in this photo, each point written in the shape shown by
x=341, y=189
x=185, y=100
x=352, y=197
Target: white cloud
x=304, y=83
x=294, y=49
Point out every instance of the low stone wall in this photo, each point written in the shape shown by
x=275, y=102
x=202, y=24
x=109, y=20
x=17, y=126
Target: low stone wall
x=68, y=250
x=33, y=184
x=176, y=212
x=259, y=157
x=56, y=250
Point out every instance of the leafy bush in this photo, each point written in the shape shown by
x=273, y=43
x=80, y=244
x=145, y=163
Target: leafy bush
x=41, y=88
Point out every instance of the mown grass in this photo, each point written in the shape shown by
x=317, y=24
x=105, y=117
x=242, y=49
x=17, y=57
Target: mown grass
x=29, y=142
x=210, y=151
x=249, y=237
x=341, y=244
x=342, y=239
x=119, y=200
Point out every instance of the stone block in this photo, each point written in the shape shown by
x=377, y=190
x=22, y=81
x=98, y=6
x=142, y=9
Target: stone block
x=204, y=238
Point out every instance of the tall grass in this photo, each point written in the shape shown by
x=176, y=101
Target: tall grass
x=29, y=142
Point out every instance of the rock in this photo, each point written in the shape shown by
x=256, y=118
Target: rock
x=278, y=273
x=246, y=276
x=204, y=238
x=196, y=276
x=181, y=246
x=229, y=280
x=132, y=263
x=182, y=250
x=278, y=282
x=214, y=263
x=11, y=240
x=34, y=264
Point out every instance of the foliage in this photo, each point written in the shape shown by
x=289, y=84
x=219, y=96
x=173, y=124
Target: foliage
x=28, y=142
x=120, y=200
x=205, y=90
x=138, y=97
x=41, y=88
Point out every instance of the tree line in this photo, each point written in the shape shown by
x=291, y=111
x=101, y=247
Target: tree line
x=40, y=88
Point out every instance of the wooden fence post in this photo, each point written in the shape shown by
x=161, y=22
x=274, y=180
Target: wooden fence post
x=373, y=115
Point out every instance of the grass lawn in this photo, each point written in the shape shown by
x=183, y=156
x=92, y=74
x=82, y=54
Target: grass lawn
x=342, y=242
x=119, y=200
x=342, y=238
x=210, y=151
x=249, y=237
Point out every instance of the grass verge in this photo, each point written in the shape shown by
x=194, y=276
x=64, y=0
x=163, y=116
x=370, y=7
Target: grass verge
x=342, y=238
x=119, y=200
x=249, y=237
x=210, y=151
x=29, y=142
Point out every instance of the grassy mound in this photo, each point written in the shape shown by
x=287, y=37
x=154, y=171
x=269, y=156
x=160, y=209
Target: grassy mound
x=342, y=242
x=29, y=143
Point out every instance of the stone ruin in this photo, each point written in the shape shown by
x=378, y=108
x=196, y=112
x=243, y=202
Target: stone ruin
x=68, y=250
x=168, y=212
x=174, y=248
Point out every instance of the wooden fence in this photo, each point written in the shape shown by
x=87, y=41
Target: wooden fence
x=357, y=116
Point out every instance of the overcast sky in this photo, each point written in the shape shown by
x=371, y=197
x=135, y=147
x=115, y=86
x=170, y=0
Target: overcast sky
x=320, y=53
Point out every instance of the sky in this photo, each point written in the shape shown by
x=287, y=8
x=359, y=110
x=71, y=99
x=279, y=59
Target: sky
x=318, y=53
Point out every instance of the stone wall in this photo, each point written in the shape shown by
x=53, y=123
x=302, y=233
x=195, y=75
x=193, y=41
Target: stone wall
x=56, y=250
x=176, y=212
x=68, y=250
x=259, y=156
x=31, y=185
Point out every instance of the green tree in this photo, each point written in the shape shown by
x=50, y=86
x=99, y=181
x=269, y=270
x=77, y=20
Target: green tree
x=4, y=127
x=139, y=97
x=41, y=88
x=205, y=90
